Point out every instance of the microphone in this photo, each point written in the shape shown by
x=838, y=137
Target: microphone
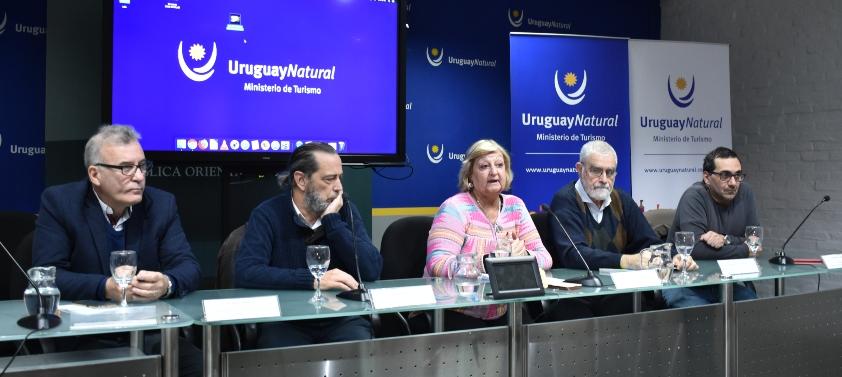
x=589, y=280
x=781, y=257
x=40, y=321
x=359, y=294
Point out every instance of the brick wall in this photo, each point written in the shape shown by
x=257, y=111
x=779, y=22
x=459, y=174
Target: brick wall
x=786, y=104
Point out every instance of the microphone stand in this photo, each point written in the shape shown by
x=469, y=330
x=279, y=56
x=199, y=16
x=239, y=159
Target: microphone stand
x=40, y=321
x=359, y=294
x=589, y=280
x=781, y=258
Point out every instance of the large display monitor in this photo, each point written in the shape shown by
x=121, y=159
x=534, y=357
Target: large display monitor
x=245, y=82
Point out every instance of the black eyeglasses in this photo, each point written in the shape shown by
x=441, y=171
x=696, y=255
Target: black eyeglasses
x=129, y=170
x=598, y=172
x=726, y=176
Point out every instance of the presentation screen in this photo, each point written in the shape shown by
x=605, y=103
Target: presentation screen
x=249, y=81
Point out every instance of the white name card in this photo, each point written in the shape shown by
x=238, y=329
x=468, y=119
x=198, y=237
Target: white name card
x=742, y=266
x=228, y=309
x=636, y=279
x=832, y=260
x=385, y=298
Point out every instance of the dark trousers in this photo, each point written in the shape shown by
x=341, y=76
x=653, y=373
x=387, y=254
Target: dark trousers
x=313, y=331
x=189, y=356
x=587, y=307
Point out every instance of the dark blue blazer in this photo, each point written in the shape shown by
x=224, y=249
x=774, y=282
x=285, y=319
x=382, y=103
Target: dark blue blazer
x=72, y=234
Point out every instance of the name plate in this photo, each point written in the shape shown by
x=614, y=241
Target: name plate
x=832, y=260
x=229, y=309
x=636, y=279
x=742, y=266
x=386, y=298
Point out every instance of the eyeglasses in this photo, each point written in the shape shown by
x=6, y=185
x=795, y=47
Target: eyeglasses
x=598, y=172
x=129, y=170
x=726, y=176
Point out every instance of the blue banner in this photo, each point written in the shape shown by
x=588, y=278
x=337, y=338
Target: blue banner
x=565, y=91
x=457, y=81
x=22, y=72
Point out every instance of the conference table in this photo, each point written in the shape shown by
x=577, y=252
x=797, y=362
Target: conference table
x=774, y=336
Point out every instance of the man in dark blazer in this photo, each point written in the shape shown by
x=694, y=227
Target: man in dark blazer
x=80, y=223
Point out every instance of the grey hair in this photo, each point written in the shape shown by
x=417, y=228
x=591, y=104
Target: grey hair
x=596, y=146
x=113, y=134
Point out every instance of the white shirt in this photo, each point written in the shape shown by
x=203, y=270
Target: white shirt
x=596, y=211
x=106, y=210
x=314, y=225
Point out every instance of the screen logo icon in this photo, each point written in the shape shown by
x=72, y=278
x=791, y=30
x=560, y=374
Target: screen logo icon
x=435, y=56
x=437, y=153
x=681, y=85
x=235, y=22
x=197, y=53
x=570, y=80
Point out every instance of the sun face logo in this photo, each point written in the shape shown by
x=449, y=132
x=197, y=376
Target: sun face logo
x=516, y=17
x=435, y=56
x=3, y=24
x=681, y=85
x=570, y=81
x=197, y=53
x=435, y=153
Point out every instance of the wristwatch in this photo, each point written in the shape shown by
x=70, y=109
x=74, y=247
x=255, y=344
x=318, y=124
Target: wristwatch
x=727, y=240
x=169, y=287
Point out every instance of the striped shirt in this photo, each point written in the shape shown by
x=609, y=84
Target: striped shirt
x=460, y=227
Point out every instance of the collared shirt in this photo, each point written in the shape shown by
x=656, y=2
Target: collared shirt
x=106, y=210
x=314, y=225
x=596, y=211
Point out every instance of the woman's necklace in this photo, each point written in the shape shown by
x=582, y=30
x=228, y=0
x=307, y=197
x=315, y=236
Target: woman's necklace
x=485, y=213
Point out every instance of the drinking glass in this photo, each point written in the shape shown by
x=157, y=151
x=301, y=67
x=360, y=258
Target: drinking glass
x=754, y=239
x=123, y=269
x=684, y=242
x=318, y=259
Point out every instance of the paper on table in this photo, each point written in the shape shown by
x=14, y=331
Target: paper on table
x=124, y=323
x=636, y=279
x=832, y=260
x=227, y=309
x=560, y=283
x=742, y=266
x=385, y=298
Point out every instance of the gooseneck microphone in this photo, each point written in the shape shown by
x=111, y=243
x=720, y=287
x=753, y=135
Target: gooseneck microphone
x=781, y=257
x=590, y=280
x=40, y=321
x=359, y=294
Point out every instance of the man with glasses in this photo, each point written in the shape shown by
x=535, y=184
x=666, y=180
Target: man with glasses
x=717, y=210
x=606, y=225
x=80, y=223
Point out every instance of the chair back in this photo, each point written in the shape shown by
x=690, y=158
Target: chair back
x=225, y=258
x=661, y=221
x=14, y=226
x=543, y=224
x=23, y=253
x=404, y=247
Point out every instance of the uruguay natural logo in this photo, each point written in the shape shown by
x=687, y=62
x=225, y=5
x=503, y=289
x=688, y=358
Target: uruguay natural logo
x=681, y=87
x=570, y=81
x=516, y=17
x=435, y=153
x=197, y=53
x=435, y=56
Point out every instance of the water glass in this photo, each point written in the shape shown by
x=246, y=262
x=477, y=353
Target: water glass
x=684, y=243
x=754, y=239
x=318, y=259
x=123, y=268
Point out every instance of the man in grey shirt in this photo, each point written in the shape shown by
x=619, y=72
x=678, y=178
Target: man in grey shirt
x=717, y=210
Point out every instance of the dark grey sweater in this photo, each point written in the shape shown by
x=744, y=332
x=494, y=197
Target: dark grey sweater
x=698, y=213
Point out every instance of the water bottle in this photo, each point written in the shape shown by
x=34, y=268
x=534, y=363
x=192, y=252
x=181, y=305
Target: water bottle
x=466, y=276
x=45, y=279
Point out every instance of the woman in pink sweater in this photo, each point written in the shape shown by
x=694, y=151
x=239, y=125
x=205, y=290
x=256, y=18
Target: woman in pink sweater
x=475, y=220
